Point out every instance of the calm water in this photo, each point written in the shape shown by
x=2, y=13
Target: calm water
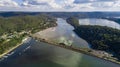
x=44, y=55
x=38, y=54
x=101, y=22
x=63, y=33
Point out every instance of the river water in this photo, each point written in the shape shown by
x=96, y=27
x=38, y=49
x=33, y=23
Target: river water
x=39, y=54
x=64, y=31
x=101, y=22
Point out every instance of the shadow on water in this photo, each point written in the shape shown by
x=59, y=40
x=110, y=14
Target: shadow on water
x=45, y=55
x=63, y=33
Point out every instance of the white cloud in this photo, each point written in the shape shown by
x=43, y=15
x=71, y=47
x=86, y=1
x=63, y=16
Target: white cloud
x=61, y=5
x=8, y=3
x=102, y=4
x=41, y=3
x=117, y=4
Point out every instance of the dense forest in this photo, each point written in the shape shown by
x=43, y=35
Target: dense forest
x=73, y=21
x=20, y=23
x=13, y=29
x=101, y=37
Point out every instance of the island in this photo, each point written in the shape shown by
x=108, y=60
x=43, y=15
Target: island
x=14, y=29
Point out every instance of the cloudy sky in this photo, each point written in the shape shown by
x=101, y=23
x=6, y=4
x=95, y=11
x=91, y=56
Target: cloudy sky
x=59, y=5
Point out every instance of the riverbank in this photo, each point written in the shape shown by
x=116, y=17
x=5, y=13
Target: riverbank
x=57, y=35
x=11, y=49
x=80, y=50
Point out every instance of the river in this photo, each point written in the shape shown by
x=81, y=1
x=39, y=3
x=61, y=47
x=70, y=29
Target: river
x=63, y=33
x=39, y=54
x=101, y=22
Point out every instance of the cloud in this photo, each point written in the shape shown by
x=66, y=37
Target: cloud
x=41, y=3
x=8, y=3
x=102, y=4
x=91, y=1
x=60, y=5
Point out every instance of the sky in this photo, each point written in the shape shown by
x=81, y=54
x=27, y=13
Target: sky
x=59, y=5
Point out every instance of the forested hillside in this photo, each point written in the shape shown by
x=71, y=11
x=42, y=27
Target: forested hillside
x=20, y=23
x=101, y=37
x=73, y=21
x=14, y=29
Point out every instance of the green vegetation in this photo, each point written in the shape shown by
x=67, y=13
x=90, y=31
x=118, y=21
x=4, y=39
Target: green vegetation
x=73, y=21
x=7, y=44
x=26, y=23
x=101, y=37
x=14, y=29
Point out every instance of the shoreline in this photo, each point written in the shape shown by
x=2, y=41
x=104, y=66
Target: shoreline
x=75, y=49
x=19, y=44
x=59, y=45
x=11, y=49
